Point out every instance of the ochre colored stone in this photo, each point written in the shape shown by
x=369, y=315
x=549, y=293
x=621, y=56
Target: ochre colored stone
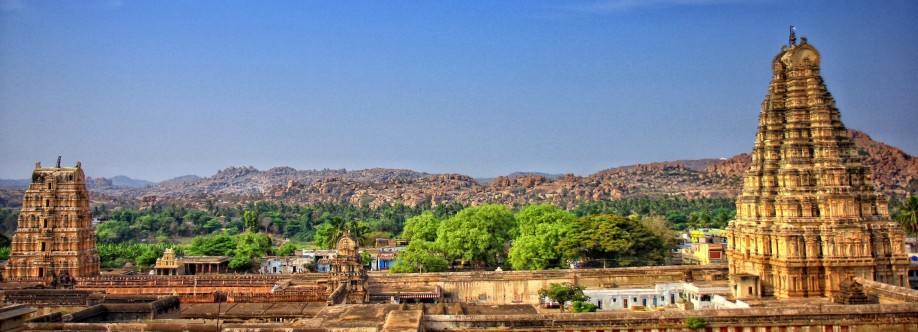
x=54, y=236
x=809, y=216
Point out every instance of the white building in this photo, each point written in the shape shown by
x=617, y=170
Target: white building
x=675, y=295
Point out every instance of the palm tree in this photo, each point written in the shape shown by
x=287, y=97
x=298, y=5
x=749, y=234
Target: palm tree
x=907, y=214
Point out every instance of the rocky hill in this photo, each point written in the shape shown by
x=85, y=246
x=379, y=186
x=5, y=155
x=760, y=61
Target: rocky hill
x=895, y=171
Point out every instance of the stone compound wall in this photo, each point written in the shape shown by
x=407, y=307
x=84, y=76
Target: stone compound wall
x=485, y=287
x=168, y=285
x=892, y=318
x=522, y=287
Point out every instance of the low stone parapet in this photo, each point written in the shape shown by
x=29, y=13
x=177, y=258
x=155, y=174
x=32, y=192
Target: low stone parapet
x=871, y=317
x=299, y=294
x=886, y=293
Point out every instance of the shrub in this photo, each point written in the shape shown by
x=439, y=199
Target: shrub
x=696, y=323
x=581, y=306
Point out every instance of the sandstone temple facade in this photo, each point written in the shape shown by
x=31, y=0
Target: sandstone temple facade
x=54, y=235
x=809, y=216
x=347, y=281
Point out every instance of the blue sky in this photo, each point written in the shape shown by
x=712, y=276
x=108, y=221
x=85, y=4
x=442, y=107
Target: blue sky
x=158, y=89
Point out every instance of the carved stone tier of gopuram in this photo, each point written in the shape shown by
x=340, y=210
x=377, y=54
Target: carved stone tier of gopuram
x=54, y=235
x=809, y=216
x=347, y=281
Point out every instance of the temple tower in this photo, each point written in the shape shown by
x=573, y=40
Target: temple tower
x=347, y=271
x=808, y=216
x=54, y=236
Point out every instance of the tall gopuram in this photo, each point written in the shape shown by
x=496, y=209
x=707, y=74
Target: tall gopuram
x=809, y=216
x=54, y=235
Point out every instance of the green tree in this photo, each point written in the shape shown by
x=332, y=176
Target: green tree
x=541, y=228
x=624, y=241
x=422, y=227
x=286, y=249
x=699, y=219
x=583, y=306
x=114, y=231
x=907, y=214
x=563, y=293
x=419, y=256
x=215, y=245
x=696, y=323
x=477, y=234
x=326, y=235
x=249, y=246
x=212, y=225
x=251, y=221
x=721, y=217
x=8, y=221
x=149, y=255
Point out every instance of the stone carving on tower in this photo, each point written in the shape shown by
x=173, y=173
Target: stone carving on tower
x=347, y=271
x=809, y=216
x=54, y=236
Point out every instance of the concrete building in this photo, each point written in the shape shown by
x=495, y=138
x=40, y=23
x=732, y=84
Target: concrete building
x=705, y=247
x=677, y=295
x=285, y=264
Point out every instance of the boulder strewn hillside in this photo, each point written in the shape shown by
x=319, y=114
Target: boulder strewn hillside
x=733, y=167
x=895, y=171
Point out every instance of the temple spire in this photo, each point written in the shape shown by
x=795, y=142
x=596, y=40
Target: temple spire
x=809, y=214
x=793, y=36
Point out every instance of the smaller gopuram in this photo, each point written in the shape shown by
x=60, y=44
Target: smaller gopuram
x=347, y=273
x=168, y=265
x=54, y=236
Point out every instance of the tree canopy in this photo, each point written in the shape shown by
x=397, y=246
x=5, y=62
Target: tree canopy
x=419, y=256
x=422, y=227
x=619, y=240
x=477, y=234
x=907, y=214
x=563, y=293
x=541, y=228
x=242, y=249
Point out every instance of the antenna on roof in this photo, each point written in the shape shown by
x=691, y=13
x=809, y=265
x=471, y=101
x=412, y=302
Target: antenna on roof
x=793, y=35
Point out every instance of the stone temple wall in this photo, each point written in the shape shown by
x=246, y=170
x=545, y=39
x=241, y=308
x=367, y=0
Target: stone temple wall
x=522, y=287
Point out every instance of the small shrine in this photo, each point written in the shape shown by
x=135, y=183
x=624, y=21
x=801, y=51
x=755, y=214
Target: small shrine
x=167, y=265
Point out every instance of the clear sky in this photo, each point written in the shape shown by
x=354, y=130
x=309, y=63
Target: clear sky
x=158, y=89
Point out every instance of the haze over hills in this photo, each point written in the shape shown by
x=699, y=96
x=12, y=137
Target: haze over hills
x=895, y=173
